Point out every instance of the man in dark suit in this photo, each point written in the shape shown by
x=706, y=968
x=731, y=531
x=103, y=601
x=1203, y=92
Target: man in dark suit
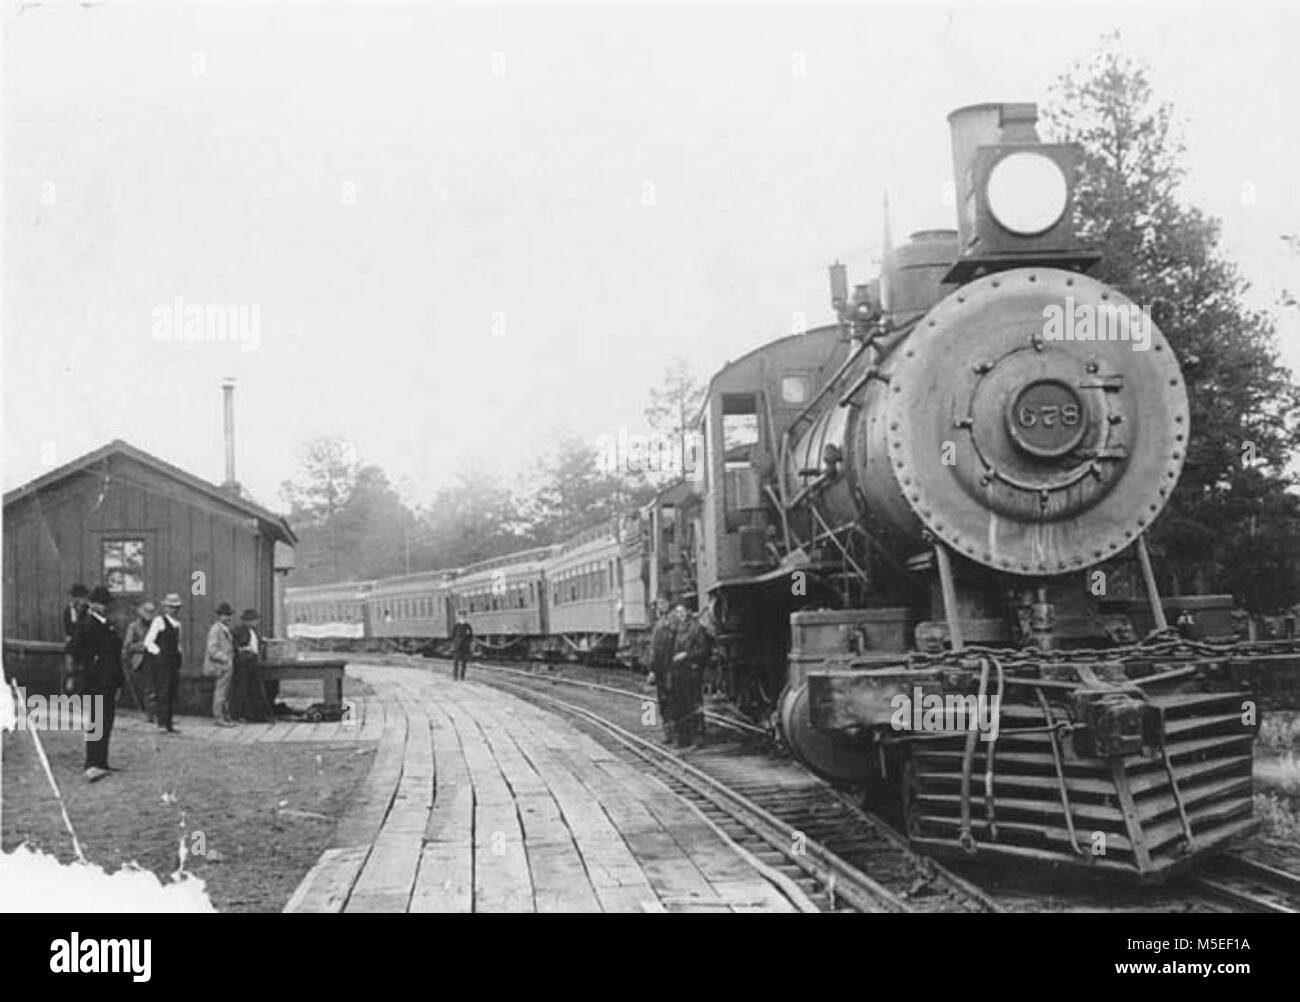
x=97, y=652
x=73, y=615
x=691, y=644
x=662, y=640
x=248, y=697
x=462, y=641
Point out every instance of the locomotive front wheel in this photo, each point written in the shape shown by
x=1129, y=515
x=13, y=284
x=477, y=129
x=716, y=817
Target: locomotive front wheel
x=832, y=756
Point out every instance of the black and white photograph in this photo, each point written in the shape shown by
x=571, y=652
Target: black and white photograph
x=652, y=458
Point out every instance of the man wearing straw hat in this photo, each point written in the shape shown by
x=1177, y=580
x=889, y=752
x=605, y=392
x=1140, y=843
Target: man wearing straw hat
x=134, y=656
x=162, y=663
x=219, y=660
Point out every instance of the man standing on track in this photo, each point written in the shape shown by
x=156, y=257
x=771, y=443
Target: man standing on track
x=462, y=641
x=662, y=641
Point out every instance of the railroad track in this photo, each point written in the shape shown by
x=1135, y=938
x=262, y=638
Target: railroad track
x=1235, y=883
x=810, y=839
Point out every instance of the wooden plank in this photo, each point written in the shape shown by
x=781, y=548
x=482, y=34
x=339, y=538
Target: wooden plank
x=275, y=732
x=452, y=817
x=559, y=879
x=755, y=895
x=373, y=727
x=617, y=878
x=302, y=730
x=502, y=883
x=328, y=884
x=445, y=882
x=669, y=872
x=389, y=874
x=227, y=735
x=251, y=732
x=364, y=817
x=628, y=900
x=540, y=819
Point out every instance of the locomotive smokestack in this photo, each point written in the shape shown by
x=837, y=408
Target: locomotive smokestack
x=228, y=428
x=983, y=125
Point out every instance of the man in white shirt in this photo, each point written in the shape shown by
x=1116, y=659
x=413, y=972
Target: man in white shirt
x=162, y=663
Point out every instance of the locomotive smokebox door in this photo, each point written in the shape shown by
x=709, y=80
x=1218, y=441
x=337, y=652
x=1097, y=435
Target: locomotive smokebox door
x=1054, y=443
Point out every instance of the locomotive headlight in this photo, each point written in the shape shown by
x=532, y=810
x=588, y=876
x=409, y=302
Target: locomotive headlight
x=1027, y=193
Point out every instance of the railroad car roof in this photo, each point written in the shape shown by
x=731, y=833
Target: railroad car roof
x=411, y=582
x=507, y=560
x=591, y=534
x=350, y=589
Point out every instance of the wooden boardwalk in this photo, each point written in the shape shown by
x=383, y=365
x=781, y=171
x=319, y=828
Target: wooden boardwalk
x=364, y=721
x=479, y=801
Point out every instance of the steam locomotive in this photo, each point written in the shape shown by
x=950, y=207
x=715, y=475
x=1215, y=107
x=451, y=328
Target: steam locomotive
x=918, y=537
x=926, y=524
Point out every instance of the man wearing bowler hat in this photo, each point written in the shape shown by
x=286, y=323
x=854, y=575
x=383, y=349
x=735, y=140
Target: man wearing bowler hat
x=162, y=666
x=97, y=650
x=219, y=660
x=74, y=615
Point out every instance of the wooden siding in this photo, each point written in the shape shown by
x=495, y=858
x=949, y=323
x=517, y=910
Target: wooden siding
x=52, y=538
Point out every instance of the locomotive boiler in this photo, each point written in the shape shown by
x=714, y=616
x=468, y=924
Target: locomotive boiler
x=924, y=525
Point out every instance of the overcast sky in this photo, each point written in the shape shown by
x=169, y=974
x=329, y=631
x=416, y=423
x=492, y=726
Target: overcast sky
x=469, y=228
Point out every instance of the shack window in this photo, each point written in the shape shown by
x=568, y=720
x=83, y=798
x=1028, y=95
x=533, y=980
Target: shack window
x=123, y=563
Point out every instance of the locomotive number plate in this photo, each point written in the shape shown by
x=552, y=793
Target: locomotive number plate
x=1047, y=418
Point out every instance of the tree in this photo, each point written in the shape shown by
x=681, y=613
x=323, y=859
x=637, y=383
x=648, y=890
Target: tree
x=1289, y=299
x=373, y=528
x=350, y=522
x=474, y=519
x=673, y=405
x=1231, y=523
x=572, y=492
x=326, y=479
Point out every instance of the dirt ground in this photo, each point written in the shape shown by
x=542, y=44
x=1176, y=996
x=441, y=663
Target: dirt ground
x=265, y=811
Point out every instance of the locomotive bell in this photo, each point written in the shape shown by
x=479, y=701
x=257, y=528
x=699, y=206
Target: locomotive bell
x=1027, y=453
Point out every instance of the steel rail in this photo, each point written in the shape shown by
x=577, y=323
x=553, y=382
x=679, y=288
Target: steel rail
x=1250, y=886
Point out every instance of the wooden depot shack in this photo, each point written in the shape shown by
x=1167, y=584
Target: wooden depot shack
x=142, y=527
